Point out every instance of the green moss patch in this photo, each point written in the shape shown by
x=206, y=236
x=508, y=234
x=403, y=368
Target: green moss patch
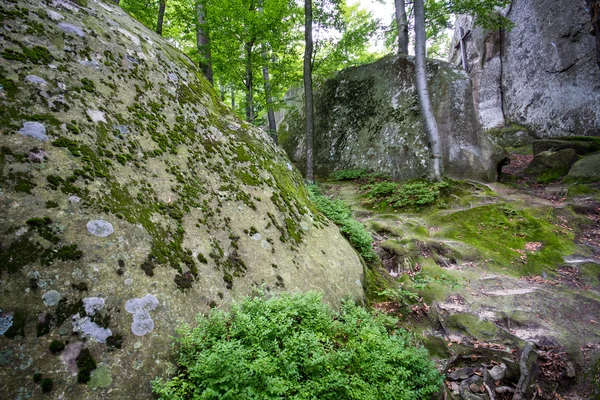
x=524, y=241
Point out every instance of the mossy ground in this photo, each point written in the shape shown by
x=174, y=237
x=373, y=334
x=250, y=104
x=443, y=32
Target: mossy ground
x=490, y=261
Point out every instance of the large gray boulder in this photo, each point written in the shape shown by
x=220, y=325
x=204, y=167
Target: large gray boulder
x=542, y=74
x=586, y=170
x=368, y=117
x=132, y=199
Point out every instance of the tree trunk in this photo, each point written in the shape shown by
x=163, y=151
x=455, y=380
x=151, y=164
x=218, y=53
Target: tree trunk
x=402, y=23
x=222, y=90
x=594, y=7
x=203, y=42
x=308, y=91
x=433, y=136
x=269, y=99
x=161, y=16
x=249, y=83
x=233, y=99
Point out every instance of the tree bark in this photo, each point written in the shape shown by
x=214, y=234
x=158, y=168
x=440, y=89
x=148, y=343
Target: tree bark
x=433, y=136
x=308, y=91
x=222, y=90
x=203, y=42
x=161, y=16
x=402, y=22
x=233, y=99
x=594, y=7
x=269, y=99
x=249, y=83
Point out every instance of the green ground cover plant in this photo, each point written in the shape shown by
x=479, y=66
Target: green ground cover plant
x=341, y=214
x=296, y=347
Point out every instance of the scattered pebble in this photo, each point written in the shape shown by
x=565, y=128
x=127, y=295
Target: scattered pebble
x=100, y=228
x=51, y=298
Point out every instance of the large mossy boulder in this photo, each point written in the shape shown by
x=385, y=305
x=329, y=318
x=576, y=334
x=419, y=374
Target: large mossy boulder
x=368, y=117
x=132, y=199
x=549, y=165
x=586, y=170
x=581, y=144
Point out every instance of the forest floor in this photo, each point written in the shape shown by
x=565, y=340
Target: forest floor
x=496, y=267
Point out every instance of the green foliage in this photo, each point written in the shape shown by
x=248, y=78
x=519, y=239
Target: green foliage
x=348, y=174
x=401, y=296
x=415, y=193
x=296, y=347
x=338, y=212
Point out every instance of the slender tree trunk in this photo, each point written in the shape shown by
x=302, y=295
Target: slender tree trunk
x=222, y=90
x=270, y=112
x=308, y=91
x=233, y=99
x=161, y=16
x=402, y=22
x=249, y=83
x=433, y=136
x=594, y=7
x=203, y=42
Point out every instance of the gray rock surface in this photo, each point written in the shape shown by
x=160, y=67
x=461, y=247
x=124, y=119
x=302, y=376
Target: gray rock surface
x=586, y=169
x=541, y=74
x=178, y=186
x=581, y=145
x=557, y=161
x=368, y=117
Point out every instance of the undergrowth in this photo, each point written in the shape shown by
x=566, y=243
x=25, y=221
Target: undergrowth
x=341, y=214
x=399, y=195
x=296, y=347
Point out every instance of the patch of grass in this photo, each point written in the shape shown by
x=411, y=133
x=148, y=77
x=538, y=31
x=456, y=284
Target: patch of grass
x=296, y=347
x=338, y=212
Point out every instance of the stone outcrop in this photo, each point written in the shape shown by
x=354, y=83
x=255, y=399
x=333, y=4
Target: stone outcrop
x=368, y=117
x=132, y=199
x=541, y=75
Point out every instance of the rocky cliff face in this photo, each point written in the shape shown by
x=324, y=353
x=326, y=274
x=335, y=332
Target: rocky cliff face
x=541, y=75
x=368, y=117
x=131, y=199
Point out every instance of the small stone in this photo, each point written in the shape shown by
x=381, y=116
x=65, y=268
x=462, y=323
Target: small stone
x=51, y=298
x=460, y=374
x=498, y=372
x=74, y=199
x=34, y=130
x=570, y=370
x=474, y=388
x=69, y=28
x=100, y=228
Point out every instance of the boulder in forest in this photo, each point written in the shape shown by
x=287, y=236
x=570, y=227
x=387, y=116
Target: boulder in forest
x=586, y=169
x=581, y=144
x=132, y=199
x=368, y=117
x=541, y=74
x=552, y=164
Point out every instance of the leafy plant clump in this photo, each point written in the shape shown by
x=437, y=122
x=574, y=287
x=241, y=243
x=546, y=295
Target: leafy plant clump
x=415, y=193
x=348, y=174
x=296, y=347
x=339, y=212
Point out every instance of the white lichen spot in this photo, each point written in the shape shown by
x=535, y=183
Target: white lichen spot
x=35, y=79
x=34, y=130
x=134, y=38
x=92, y=305
x=51, y=298
x=173, y=77
x=53, y=15
x=74, y=199
x=100, y=228
x=96, y=116
x=70, y=28
x=86, y=327
x=140, y=307
x=256, y=236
